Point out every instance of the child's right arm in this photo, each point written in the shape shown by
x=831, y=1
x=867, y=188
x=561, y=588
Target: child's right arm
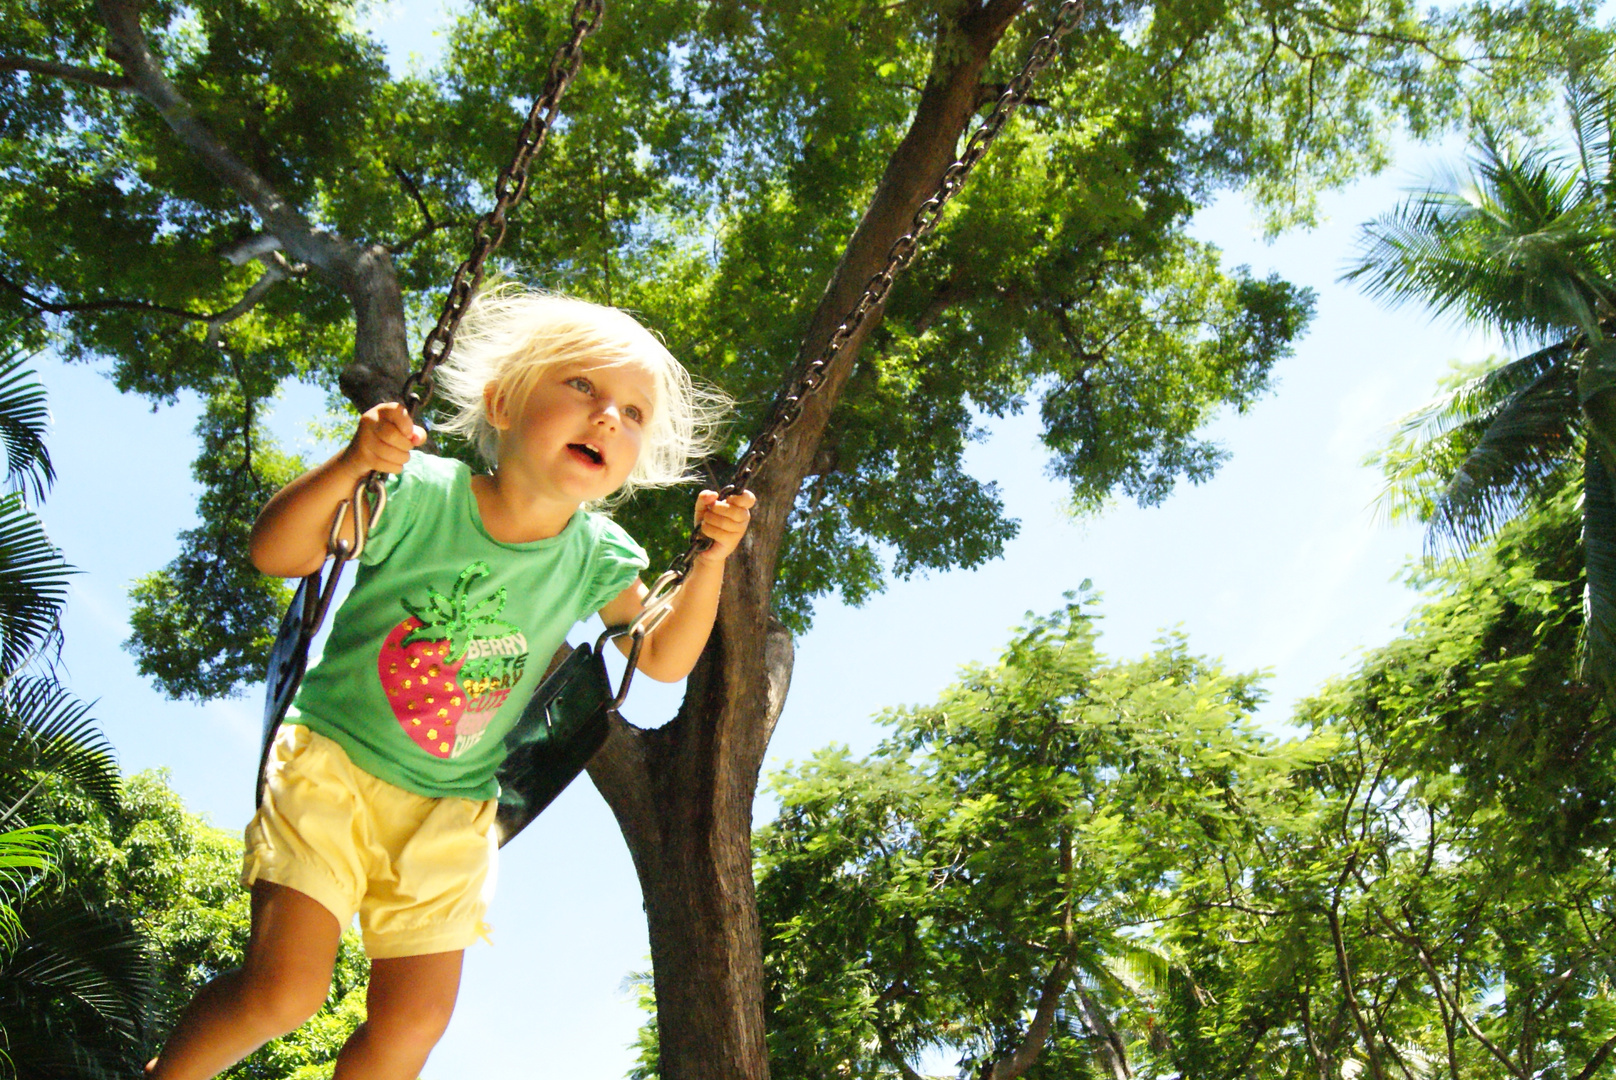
x=289, y=537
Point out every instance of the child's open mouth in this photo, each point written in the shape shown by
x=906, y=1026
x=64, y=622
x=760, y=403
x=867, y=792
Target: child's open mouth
x=588, y=453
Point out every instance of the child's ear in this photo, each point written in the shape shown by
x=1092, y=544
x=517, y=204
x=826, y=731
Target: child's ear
x=494, y=407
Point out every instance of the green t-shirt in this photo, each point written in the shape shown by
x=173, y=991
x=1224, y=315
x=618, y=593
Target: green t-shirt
x=447, y=632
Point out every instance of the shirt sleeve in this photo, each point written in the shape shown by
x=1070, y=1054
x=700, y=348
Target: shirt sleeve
x=402, y=489
x=617, y=562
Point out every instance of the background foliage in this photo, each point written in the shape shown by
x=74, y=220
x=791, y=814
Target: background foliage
x=1418, y=884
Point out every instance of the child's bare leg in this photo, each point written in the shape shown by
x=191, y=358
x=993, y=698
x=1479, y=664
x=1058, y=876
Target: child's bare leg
x=282, y=982
x=408, y=1007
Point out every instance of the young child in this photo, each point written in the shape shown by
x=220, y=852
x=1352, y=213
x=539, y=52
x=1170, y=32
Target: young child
x=380, y=792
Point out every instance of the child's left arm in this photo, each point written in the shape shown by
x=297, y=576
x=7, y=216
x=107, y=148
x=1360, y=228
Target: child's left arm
x=671, y=650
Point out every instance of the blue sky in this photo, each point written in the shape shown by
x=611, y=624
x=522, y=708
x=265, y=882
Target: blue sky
x=1277, y=563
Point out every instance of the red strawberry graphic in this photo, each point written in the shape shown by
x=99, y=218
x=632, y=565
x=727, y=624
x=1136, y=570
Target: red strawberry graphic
x=420, y=662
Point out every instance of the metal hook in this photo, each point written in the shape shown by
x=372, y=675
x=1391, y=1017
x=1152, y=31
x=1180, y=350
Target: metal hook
x=658, y=605
x=371, y=492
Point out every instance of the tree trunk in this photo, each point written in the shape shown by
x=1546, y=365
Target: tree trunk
x=683, y=798
x=683, y=793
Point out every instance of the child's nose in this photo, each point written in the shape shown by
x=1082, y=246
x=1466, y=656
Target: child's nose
x=609, y=412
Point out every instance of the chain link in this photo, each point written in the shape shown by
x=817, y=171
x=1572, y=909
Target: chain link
x=789, y=405
x=509, y=188
x=508, y=191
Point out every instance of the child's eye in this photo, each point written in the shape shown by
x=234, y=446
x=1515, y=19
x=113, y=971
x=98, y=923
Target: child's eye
x=634, y=414
x=578, y=382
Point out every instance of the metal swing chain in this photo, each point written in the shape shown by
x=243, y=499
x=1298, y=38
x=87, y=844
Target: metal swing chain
x=788, y=406
x=508, y=190
x=486, y=236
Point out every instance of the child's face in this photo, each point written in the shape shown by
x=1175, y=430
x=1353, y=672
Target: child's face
x=578, y=434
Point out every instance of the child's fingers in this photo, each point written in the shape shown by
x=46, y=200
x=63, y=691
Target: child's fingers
x=391, y=447
x=401, y=440
x=399, y=417
x=737, y=508
x=721, y=520
x=729, y=513
x=741, y=500
x=385, y=437
x=725, y=524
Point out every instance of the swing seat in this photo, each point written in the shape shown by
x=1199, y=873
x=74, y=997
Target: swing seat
x=287, y=662
x=562, y=727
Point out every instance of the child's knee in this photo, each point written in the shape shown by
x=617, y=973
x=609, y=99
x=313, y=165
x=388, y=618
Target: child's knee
x=283, y=1004
x=409, y=1027
x=419, y=1021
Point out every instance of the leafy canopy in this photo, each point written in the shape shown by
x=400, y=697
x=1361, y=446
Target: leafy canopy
x=712, y=161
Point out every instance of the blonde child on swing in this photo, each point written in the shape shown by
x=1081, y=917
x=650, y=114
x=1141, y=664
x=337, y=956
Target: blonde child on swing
x=380, y=792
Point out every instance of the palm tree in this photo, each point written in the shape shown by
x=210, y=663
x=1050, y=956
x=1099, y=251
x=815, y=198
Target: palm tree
x=75, y=981
x=1525, y=246
x=75, y=993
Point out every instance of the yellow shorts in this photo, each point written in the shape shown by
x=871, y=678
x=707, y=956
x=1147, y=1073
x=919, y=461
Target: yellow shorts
x=418, y=871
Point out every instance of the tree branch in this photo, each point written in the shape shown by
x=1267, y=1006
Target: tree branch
x=1111, y=1046
x=1349, y=991
x=413, y=190
x=276, y=270
x=1598, y=1059
x=398, y=247
x=256, y=246
x=129, y=47
x=39, y=303
x=890, y=1051
x=945, y=110
x=89, y=76
x=364, y=274
x=1032, y=1043
x=1475, y=1032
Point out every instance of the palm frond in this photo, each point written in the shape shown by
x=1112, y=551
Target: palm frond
x=1523, y=447
x=1472, y=457
x=45, y=731
x=78, y=990
x=1141, y=966
x=24, y=420
x=33, y=584
x=1599, y=593
x=1588, y=106
x=1479, y=398
x=24, y=854
x=1521, y=248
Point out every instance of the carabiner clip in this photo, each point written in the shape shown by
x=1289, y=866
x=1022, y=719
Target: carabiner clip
x=658, y=604
x=371, y=492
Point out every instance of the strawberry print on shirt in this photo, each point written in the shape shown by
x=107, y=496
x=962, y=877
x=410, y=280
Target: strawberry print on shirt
x=448, y=667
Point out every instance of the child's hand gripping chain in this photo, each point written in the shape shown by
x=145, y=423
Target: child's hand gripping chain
x=289, y=537
x=673, y=646
x=379, y=793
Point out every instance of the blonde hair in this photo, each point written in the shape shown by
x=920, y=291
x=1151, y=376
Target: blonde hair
x=511, y=336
